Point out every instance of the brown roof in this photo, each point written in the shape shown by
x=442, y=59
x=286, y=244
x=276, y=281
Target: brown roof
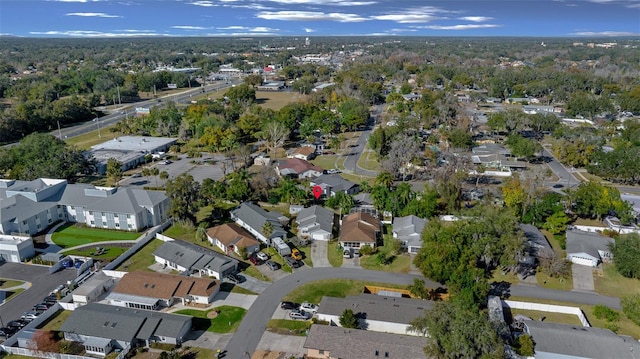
x=359, y=227
x=304, y=150
x=164, y=286
x=298, y=165
x=232, y=234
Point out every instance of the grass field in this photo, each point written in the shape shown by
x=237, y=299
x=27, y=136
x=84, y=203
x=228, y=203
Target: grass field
x=71, y=235
x=110, y=253
x=327, y=162
x=141, y=259
x=400, y=263
x=334, y=254
x=276, y=100
x=625, y=326
x=369, y=160
x=89, y=139
x=252, y=271
x=227, y=320
x=8, y=283
x=306, y=252
x=289, y=327
x=56, y=320
x=560, y=318
x=554, y=283
x=612, y=283
x=314, y=291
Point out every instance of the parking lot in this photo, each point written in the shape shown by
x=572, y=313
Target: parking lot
x=42, y=283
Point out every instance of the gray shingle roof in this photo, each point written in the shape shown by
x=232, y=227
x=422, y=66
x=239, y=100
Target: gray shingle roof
x=192, y=256
x=316, y=215
x=376, y=307
x=255, y=217
x=587, y=242
x=581, y=342
x=537, y=242
x=363, y=344
x=122, y=323
x=409, y=229
x=335, y=181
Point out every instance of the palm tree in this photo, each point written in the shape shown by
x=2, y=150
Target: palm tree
x=404, y=193
x=385, y=179
x=267, y=230
x=164, y=176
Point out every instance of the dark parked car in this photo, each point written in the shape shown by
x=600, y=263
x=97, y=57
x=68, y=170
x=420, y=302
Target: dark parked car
x=289, y=305
x=292, y=262
x=40, y=307
x=67, y=263
x=78, y=263
x=234, y=278
x=254, y=260
x=18, y=324
x=272, y=265
x=7, y=332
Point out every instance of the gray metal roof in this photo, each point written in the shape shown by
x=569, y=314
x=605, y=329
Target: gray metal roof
x=192, y=256
x=321, y=216
x=581, y=342
x=376, y=307
x=120, y=323
x=255, y=217
x=135, y=143
x=363, y=344
x=587, y=242
x=335, y=181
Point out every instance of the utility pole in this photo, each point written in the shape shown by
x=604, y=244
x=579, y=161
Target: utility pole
x=119, y=99
x=98, y=122
x=59, y=131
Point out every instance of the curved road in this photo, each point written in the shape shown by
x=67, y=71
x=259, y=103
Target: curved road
x=246, y=338
x=351, y=162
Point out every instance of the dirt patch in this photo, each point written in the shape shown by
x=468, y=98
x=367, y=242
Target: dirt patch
x=212, y=314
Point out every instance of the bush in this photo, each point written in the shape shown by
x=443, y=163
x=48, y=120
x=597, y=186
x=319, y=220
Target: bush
x=604, y=312
x=524, y=345
x=631, y=307
x=612, y=327
x=366, y=250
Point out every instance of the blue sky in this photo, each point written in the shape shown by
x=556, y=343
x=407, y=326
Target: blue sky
x=130, y=18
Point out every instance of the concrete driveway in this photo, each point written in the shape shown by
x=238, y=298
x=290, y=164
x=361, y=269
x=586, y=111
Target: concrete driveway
x=319, y=254
x=351, y=262
x=252, y=284
x=582, y=278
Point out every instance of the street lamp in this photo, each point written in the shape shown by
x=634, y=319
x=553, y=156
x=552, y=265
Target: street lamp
x=98, y=123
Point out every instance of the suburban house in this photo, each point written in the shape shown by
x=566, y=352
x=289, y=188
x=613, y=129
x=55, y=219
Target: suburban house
x=230, y=237
x=359, y=229
x=187, y=257
x=102, y=328
x=408, y=230
x=16, y=248
x=537, y=246
x=588, y=248
x=92, y=289
x=297, y=168
x=253, y=218
x=304, y=153
x=129, y=150
x=334, y=183
x=377, y=313
x=553, y=340
x=493, y=155
x=30, y=207
x=331, y=342
x=316, y=223
x=153, y=291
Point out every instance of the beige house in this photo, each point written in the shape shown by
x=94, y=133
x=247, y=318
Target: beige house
x=230, y=237
x=359, y=229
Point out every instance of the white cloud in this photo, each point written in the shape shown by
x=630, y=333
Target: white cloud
x=325, y=2
x=628, y=3
x=258, y=29
x=475, y=18
x=250, y=34
x=309, y=16
x=91, y=33
x=414, y=15
x=91, y=14
x=188, y=27
x=306, y=29
x=460, y=27
x=604, y=33
x=204, y=3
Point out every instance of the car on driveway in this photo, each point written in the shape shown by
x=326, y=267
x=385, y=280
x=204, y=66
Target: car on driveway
x=295, y=253
x=299, y=314
x=255, y=261
x=289, y=305
x=272, y=265
x=7, y=332
x=234, y=278
x=262, y=256
x=292, y=262
x=308, y=307
x=17, y=324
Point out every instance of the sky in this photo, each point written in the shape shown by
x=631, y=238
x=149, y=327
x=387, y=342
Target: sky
x=136, y=18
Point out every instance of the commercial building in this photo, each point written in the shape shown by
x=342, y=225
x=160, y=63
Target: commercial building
x=129, y=150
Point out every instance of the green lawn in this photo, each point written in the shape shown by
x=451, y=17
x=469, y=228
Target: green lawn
x=109, y=254
x=553, y=241
x=314, y=291
x=179, y=231
x=325, y=161
x=226, y=322
x=141, y=259
x=289, y=327
x=369, y=160
x=70, y=235
x=252, y=271
x=8, y=283
x=334, y=254
x=306, y=252
x=56, y=320
x=554, y=283
x=400, y=263
x=614, y=284
x=232, y=288
x=625, y=326
x=278, y=259
x=85, y=141
x=498, y=276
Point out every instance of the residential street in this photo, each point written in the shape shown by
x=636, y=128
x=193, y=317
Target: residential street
x=351, y=162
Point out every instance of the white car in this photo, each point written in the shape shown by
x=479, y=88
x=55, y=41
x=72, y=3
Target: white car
x=308, y=307
x=262, y=256
x=299, y=314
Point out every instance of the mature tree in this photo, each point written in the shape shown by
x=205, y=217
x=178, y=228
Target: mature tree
x=42, y=155
x=626, y=252
x=114, y=171
x=456, y=332
x=274, y=133
x=184, y=193
x=418, y=289
x=401, y=155
x=340, y=200
x=523, y=147
x=620, y=165
x=594, y=200
x=631, y=307
x=460, y=138
x=354, y=113
x=289, y=192
x=385, y=179
x=238, y=188
x=555, y=265
x=243, y=94
x=348, y=319
x=253, y=80
x=44, y=341
x=513, y=194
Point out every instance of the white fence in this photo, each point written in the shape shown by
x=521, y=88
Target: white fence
x=548, y=308
x=39, y=354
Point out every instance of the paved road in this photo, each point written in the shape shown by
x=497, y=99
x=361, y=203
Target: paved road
x=566, y=178
x=254, y=324
x=351, y=162
x=42, y=283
